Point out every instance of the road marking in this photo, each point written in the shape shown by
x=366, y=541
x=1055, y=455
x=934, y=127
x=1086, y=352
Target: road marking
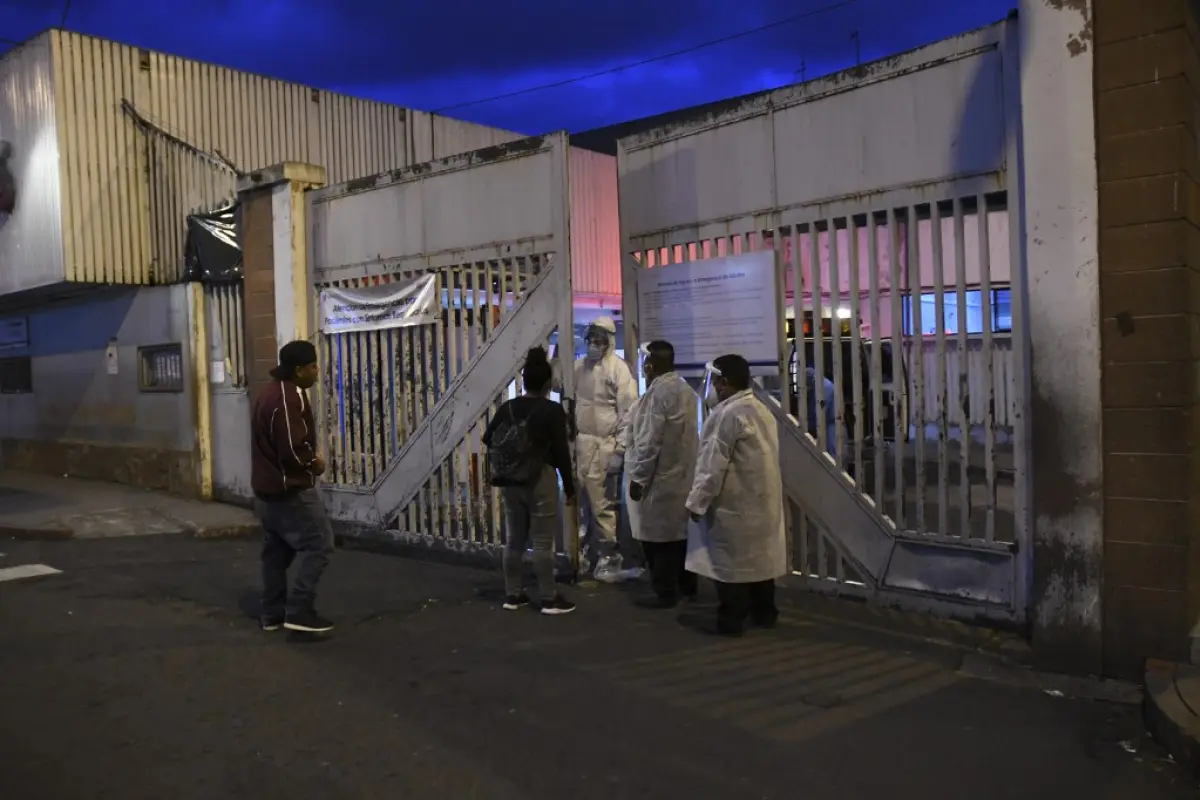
x=26, y=571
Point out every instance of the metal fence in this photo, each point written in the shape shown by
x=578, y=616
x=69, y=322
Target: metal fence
x=379, y=386
x=927, y=438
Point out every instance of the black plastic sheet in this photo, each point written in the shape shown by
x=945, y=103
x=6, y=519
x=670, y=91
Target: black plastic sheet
x=212, y=253
x=8, y=184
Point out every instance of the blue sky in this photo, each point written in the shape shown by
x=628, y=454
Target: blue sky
x=439, y=54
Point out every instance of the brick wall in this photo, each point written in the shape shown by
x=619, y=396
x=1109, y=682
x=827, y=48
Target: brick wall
x=1147, y=82
x=258, y=253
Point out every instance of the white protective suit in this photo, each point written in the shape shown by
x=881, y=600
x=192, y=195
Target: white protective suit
x=739, y=491
x=664, y=435
x=604, y=392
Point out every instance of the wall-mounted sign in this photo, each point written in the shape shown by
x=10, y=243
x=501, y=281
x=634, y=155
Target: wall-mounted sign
x=14, y=333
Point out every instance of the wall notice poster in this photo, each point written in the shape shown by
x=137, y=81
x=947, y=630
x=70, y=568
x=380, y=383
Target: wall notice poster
x=711, y=308
x=376, y=308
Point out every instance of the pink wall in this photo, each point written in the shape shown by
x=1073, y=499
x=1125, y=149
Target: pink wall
x=595, y=228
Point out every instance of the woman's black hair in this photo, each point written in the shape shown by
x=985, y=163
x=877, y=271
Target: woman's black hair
x=537, y=373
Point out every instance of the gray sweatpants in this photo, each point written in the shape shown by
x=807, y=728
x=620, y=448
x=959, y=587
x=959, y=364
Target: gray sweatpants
x=531, y=519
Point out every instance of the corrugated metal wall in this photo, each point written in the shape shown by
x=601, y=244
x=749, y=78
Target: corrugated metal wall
x=31, y=251
x=129, y=184
x=595, y=225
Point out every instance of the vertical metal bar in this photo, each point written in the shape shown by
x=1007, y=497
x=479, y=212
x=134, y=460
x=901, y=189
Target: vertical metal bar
x=430, y=380
x=343, y=422
x=353, y=391
x=408, y=412
x=802, y=313
x=818, y=304
x=508, y=280
x=989, y=379
x=943, y=422
x=371, y=376
x=365, y=408
x=437, y=362
x=449, y=303
x=788, y=388
x=877, y=488
x=916, y=293
x=328, y=387
x=856, y=365
x=898, y=372
x=835, y=319
x=964, y=396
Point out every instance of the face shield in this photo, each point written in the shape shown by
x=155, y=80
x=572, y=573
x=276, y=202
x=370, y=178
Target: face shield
x=711, y=373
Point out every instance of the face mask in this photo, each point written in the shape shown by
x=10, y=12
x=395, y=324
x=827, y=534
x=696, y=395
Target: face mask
x=711, y=398
x=595, y=352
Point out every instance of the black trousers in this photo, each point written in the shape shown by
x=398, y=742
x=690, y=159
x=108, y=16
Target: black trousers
x=737, y=601
x=668, y=577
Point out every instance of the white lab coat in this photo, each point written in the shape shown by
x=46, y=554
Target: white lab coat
x=664, y=439
x=634, y=510
x=738, y=490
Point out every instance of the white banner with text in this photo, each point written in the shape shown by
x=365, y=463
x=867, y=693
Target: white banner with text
x=377, y=308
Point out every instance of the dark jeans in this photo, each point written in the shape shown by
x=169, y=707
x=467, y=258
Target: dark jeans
x=737, y=601
x=295, y=529
x=668, y=577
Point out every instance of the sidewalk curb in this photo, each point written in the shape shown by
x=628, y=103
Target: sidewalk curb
x=243, y=530
x=1169, y=719
x=42, y=534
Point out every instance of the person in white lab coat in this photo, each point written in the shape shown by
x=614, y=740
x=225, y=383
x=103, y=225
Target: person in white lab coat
x=660, y=463
x=736, y=500
x=604, y=393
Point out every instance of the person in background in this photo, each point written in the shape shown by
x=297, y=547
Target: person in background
x=285, y=466
x=660, y=463
x=828, y=397
x=737, y=497
x=604, y=392
x=527, y=443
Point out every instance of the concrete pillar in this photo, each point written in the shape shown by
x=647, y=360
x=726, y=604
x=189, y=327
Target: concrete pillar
x=278, y=288
x=1147, y=81
x=1059, y=225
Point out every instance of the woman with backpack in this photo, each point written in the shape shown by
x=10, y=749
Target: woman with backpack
x=527, y=443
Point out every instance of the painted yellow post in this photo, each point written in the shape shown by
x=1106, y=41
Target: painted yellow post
x=302, y=288
x=200, y=350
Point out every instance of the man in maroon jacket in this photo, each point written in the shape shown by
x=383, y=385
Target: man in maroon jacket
x=284, y=470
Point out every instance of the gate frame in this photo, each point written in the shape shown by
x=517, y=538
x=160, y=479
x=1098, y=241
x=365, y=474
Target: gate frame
x=1003, y=36
x=359, y=507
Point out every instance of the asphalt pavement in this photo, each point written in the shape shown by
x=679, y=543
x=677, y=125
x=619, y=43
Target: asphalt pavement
x=137, y=671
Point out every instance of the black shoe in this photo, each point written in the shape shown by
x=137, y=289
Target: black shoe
x=766, y=622
x=557, y=607
x=655, y=602
x=307, y=622
x=271, y=623
x=515, y=601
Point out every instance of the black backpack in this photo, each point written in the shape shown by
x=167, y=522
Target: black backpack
x=510, y=456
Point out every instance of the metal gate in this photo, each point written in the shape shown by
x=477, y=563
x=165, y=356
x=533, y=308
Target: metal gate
x=402, y=410
x=891, y=197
